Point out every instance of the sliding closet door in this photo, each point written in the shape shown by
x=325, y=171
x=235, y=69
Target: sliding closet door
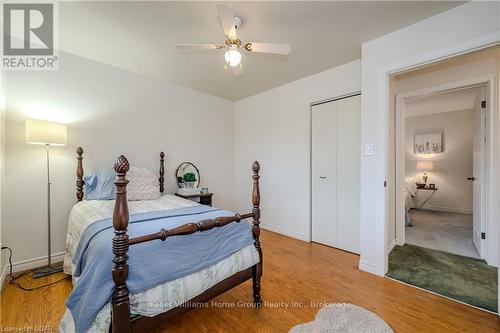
x=336, y=173
x=348, y=173
x=324, y=176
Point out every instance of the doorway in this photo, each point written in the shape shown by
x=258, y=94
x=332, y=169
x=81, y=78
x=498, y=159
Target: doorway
x=443, y=159
x=335, y=172
x=443, y=168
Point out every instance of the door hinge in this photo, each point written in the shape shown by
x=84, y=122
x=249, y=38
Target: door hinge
x=483, y=104
x=385, y=183
x=483, y=235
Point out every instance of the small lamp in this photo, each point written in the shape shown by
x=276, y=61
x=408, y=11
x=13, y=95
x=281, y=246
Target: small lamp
x=49, y=134
x=425, y=166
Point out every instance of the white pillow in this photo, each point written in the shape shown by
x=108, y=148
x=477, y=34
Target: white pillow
x=143, y=184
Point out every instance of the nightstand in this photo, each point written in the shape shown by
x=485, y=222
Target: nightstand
x=204, y=199
x=433, y=191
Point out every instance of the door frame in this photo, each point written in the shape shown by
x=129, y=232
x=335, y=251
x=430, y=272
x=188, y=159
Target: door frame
x=488, y=214
x=311, y=105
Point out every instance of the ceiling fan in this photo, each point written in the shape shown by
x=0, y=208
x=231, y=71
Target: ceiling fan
x=230, y=24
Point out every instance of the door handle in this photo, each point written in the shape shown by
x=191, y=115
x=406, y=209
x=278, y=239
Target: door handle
x=471, y=178
x=322, y=177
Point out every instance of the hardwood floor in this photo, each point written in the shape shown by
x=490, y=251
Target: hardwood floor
x=297, y=275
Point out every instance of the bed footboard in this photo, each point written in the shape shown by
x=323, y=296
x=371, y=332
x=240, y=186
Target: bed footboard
x=257, y=269
x=120, y=302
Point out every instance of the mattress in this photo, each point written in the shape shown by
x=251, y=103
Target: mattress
x=86, y=212
x=162, y=297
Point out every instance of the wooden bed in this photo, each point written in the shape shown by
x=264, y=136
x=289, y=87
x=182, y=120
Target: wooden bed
x=121, y=321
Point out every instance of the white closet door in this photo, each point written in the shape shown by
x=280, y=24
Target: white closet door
x=348, y=173
x=324, y=182
x=336, y=173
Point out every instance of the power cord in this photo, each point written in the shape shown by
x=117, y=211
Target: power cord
x=14, y=278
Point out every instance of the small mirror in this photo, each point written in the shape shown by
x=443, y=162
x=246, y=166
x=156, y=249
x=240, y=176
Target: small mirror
x=187, y=175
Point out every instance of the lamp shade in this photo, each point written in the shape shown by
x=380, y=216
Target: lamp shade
x=425, y=166
x=43, y=132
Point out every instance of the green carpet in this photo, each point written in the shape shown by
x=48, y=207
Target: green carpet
x=465, y=279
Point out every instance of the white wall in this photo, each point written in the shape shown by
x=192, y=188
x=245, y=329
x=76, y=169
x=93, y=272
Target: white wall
x=414, y=44
x=274, y=128
x=452, y=166
x=109, y=112
x=3, y=256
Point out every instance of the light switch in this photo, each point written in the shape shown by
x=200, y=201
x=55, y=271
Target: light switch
x=369, y=150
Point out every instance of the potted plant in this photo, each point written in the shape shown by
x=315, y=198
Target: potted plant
x=189, y=180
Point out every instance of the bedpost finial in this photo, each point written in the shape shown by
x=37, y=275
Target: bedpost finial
x=162, y=155
x=121, y=164
x=79, y=151
x=256, y=167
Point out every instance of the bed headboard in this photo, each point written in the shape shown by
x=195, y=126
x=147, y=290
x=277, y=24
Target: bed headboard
x=80, y=182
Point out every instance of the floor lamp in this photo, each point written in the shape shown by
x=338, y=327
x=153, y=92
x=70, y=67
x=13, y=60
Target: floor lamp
x=49, y=134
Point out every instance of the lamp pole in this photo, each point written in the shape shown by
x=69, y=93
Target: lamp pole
x=49, y=269
x=48, y=208
x=49, y=134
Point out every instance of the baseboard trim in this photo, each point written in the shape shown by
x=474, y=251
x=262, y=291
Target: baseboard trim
x=285, y=232
x=367, y=267
x=446, y=209
x=3, y=276
x=391, y=246
x=24, y=265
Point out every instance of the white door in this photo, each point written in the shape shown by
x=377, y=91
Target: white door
x=477, y=172
x=336, y=173
x=324, y=173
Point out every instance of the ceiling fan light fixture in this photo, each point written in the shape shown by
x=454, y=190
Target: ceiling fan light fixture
x=233, y=57
x=230, y=23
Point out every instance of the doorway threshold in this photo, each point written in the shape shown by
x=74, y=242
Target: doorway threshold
x=467, y=280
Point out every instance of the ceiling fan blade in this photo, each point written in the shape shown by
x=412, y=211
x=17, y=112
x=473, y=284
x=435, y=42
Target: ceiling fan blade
x=226, y=19
x=274, y=48
x=198, y=46
x=237, y=70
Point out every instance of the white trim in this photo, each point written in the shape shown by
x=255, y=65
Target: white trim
x=400, y=161
x=367, y=267
x=494, y=164
x=381, y=216
x=3, y=276
x=27, y=264
x=475, y=44
x=24, y=265
x=391, y=246
x=286, y=232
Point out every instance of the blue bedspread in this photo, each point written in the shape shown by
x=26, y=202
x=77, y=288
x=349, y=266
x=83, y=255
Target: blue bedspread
x=151, y=263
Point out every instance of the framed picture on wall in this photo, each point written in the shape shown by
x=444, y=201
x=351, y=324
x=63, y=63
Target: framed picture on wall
x=429, y=143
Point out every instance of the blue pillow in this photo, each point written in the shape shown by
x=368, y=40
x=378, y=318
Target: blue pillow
x=100, y=186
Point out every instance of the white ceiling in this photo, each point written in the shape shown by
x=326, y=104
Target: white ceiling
x=141, y=37
x=464, y=99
